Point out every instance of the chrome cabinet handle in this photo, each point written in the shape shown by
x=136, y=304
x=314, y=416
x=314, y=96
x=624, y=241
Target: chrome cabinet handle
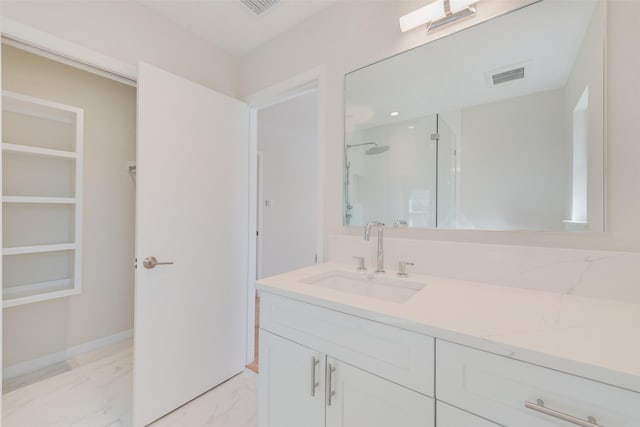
x=539, y=407
x=151, y=261
x=314, y=384
x=330, y=393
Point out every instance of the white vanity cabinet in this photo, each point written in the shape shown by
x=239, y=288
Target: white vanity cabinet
x=448, y=416
x=319, y=367
x=362, y=399
x=292, y=383
x=514, y=393
x=425, y=363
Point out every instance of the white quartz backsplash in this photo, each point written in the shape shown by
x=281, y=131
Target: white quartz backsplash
x=595, y=274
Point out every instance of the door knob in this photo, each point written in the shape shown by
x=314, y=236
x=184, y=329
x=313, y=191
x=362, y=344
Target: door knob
x=151, y=261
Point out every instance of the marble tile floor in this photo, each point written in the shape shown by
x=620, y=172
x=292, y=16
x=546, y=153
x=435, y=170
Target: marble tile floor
x=12, y=384
x=97, y=393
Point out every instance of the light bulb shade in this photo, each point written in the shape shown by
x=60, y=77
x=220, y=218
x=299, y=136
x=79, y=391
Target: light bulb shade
x=458, y=5
x=431, y=12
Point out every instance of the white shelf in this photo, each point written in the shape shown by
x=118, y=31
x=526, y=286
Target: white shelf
x=39, y=200
x=41, y=108
x=39, y=249
x=37, y=151
x=35, y=292
x=52, y=286
x=21, y=290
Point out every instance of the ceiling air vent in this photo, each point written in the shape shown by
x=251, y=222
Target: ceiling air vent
x=259, y=6
x=507, y=76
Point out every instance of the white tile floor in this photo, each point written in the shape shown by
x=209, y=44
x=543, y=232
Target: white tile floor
x=96, y=392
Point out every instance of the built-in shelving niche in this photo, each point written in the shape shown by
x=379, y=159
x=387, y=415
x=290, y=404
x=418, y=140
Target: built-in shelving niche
x=41, y=199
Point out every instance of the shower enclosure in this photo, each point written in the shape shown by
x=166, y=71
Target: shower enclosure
x=403, y=172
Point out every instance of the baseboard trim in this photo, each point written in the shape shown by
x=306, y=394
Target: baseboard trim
x=42, y=362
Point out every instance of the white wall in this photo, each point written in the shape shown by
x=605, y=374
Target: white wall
x=105, y=306
x=288, y=140
x=130, y=32
x=586, y=72
x=350, y=35
x=589, y=273
x=521, y=138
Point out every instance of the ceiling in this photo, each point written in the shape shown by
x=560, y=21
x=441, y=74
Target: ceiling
x=231, y=25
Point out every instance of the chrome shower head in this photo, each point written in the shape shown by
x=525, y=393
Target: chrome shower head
x=377, y=150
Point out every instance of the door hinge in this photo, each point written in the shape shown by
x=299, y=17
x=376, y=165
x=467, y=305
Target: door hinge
x=435, y=136
x=316, y=258
x=135, y=263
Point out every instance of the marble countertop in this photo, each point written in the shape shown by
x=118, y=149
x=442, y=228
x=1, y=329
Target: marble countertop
x=592, y=338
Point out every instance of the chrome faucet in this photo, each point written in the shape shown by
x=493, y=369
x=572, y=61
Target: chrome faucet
x=367, y=235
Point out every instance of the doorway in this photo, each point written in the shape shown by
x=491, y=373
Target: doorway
x=68, y=235
x=287, y=128
x=288, y=206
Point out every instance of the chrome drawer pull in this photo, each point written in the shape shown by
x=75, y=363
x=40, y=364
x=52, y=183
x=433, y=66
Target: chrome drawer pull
x=539, y=407
x=314, y=383
x=330, y=393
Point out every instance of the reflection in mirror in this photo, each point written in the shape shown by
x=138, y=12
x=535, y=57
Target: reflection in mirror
x=496, y=127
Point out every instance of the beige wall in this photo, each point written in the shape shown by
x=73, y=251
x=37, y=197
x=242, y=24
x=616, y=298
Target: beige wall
x=352, y=34
x=105, y=306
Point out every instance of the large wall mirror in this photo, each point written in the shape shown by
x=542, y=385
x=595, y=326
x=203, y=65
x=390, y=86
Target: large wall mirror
x=495, y=127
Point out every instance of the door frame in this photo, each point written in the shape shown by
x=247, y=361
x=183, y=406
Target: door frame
x=61, y=50
x=313, y=79
x=260, y=190
x=259, y=211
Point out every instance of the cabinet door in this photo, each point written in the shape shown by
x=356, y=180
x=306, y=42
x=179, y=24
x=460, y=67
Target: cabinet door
x=448, y=416
x=288, y=395
x=356, y=398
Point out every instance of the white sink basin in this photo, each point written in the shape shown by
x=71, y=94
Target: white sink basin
x=367, y=284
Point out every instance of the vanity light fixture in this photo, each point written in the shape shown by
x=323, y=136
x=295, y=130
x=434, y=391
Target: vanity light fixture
x=438, y=14
x=394, y=114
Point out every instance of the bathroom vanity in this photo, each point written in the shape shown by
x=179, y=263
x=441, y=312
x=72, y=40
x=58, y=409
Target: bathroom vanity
x=341, y=347
x=473, y=131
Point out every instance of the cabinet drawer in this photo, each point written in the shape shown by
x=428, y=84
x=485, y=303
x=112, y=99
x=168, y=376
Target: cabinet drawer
x=398, y=355
x=497, y=387
x=448, y=416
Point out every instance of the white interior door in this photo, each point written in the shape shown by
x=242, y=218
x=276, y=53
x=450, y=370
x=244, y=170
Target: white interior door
x=192, y=210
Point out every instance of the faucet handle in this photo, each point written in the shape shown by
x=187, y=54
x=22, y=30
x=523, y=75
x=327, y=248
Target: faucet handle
x=402, y=268
x=361, y=266
x=400, y=223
